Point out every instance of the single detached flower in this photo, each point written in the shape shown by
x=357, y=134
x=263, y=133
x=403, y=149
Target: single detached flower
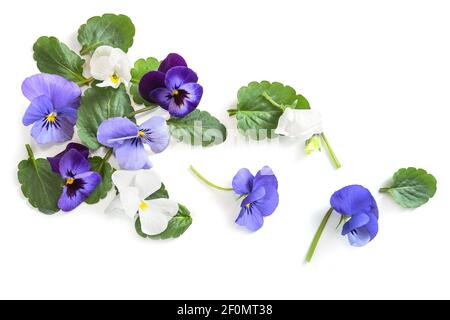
x=54, y=161
x=134, y=188
x=174, y=87
x=53, y=108
x=110, y=65
x=305, y=124
x=357, y=206
x=128, y=140
x=80, y=182
x=260, y=195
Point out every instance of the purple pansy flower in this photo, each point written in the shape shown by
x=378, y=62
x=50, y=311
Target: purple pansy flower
x=53, y=108
x=54, y=161
x=174, y=86
x=261, y=197
x=357, y=203
x=80, y=182
x=128, y=140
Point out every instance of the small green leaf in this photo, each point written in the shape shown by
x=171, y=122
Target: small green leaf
x=98, y=105
x=40, y=184
x=160, y=194
x=108, y=30
x=54, y=57
x=177, y=226
x=411, y=187
x=141, y=67
x=104, y=168
x=198, y=128
x=260, y=106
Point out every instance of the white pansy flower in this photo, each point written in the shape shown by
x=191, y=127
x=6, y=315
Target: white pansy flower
x=110, y=65
x=134, y=187
x=299, y=123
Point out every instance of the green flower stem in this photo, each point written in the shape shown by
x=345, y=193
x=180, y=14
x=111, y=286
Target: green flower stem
x=143, y=110
x=30, y=152
x=385, y=190
x=232, y=112
x=330, y=151
x=318, y=235
x=273, y=102
x=105, y=159
x=85, y=81
x=209, y=183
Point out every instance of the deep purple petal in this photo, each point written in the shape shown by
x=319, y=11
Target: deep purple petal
x=251, y=219
x=269, y=203
x=45, y=132
x=254, y=196
x=39, y=109
x=63, y=93
x=69, y=201
x=150, y=82
x=266, y=178
x=90, y=181
x=353, y=200
x=172, y=60
x=54, y=161
x=357, y=221
x=161, y=97
x=178, y=76
x=182, y=110
x=131, y=155
x=115, y=131
x=73, y=163
x=243, y=182
x=156, y=134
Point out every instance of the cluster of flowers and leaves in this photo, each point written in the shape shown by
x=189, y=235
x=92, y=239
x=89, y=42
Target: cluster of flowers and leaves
x=99, y=92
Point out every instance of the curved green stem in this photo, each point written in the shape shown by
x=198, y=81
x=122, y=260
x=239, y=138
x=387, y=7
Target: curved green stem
x=318, y=235
x=30, y=152
x=232, y=112
x=143, y=110
x=273, y=102
x=330, y=151
x=209, y=183
x=85, y=81
x=384, y=190
x=105, y=159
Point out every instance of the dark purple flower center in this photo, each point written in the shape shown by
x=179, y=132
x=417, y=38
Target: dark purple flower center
x=73, y=185
x=178, y=95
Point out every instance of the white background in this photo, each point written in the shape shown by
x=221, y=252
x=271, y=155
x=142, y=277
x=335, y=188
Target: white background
x=379, y=71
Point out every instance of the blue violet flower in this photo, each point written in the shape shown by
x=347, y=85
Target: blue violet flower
x=174, y=87
x=128, y=140
x=54, y=161
x=53, y=109
x=259, y=193
x=358, y=208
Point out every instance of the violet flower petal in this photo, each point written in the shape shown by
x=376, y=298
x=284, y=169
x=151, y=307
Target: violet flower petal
x=73, y=163
x=156, y=134
x=131, y=155
x=243, y=182
x=39, y=109
x=172, y=60
x=250, y=218
x=178, y=76
x=45, y=132
x=115, y=131
x=54, y=161
x=149, y=82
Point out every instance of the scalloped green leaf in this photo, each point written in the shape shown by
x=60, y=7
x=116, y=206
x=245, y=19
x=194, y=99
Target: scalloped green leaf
x=412, y=187
x=141, y=67
x=260, y=106
x=54, y=57
x=108, y=30
x=162, y=193
x=105, y=170
x=40, y=185
x=177, y=226
x=98, y=105
x=199, y=128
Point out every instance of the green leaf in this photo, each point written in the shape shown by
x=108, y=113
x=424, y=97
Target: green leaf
x=411, y=187
x=260, y=106
x=108, y=30
x=177, y=226
x=160, y=194
x=40, y=184
x=198, y=128
x=54, y=57
x=141, y=67
x=97, y=105
x=104, y=168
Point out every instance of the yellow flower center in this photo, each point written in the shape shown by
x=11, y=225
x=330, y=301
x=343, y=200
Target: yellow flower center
x=141, y=133
x=70, y=181
x=175, y=92
x=248, y=205
x=143, y=205
x=115, y=78
x=51, y=117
